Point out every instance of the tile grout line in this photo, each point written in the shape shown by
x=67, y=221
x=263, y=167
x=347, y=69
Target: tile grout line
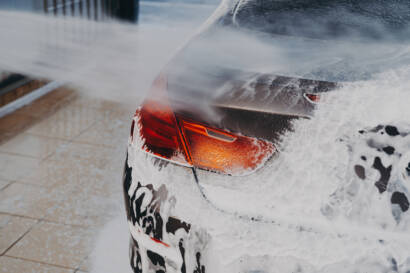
x=89, y=127
x=6, y=186
x=21, y=237
x=48, y=137
x=78, y=268
x=20, y=155
x=39, y=262
x=39, y=136
x=70, y=141
x=67, y=140
x=47, y=221
x=40, y=221
x=21, y=216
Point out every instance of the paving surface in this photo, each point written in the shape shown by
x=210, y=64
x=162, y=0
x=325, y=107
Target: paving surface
x=61, y=161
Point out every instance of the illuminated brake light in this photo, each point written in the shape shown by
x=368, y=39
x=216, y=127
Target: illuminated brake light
x=158, y=126
x=203, y=130
x=190, y=143
x=224, y=152
x=314, y=98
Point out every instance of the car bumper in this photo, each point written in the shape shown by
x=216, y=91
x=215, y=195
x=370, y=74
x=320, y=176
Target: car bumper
x=176, y=228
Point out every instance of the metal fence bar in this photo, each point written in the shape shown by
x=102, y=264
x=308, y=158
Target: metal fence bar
x=72, y=7
x=64, y=5
x=95, y=10
x=45, y=6
x=88, y=9
x=109, y=8
x=98, y=10
x=103, y=10
x=80, y=7
x=55, y=7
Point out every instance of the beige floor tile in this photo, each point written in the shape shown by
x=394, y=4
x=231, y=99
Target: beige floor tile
x=79, y=171
x=51, y=173
x=67, y=123
x=32, y=145
x=112, y=133
x=86, y=155
x=84, y=194
x=91, y=175
x=85, y=209
x=86, y=265
x=13, y=167
x=12, y=228
x=28, y=200
x=55, y=244
x=96, y=182
x=15, y=265
x=4, y=183
x=75, y=190
x=124, y=113
x=80, y=214
x=85, y=100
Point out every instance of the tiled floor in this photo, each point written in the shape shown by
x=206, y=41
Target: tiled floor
x=60, y=180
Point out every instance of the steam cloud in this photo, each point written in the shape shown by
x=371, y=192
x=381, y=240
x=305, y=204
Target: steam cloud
x=109, y=58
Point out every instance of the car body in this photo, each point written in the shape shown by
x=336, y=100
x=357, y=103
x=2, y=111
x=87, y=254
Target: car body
x=203, y=145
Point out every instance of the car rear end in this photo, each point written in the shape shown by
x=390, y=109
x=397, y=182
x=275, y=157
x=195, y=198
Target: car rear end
x=198, y=185
x=181, y=147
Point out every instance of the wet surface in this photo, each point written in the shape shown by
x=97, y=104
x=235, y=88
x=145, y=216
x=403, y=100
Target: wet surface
x=61, y=161
x=61, y=165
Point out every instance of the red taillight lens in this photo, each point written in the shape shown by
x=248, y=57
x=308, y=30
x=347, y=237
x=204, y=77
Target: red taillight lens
x=158, y=126
x=190, y=143
x=315, y=98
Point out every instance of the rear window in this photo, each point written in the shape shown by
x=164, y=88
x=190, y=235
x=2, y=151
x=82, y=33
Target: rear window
x=324, y=19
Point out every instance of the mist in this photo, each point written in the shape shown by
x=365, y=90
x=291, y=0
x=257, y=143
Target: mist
x=111, y=60
x=119, y=61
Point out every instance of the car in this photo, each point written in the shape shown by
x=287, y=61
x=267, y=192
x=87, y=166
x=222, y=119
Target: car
x=205, y=142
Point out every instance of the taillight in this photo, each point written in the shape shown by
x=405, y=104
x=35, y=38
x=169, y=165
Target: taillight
x=224, y=152
x=190, y=143
x=159, y=128
x=314, y=98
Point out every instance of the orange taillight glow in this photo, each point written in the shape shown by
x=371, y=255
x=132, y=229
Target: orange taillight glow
x=315, y=98
x=190, y=143
x=223, y=152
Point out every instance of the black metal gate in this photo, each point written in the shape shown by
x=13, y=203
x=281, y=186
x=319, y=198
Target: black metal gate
x=99, y=10
x=94, y=9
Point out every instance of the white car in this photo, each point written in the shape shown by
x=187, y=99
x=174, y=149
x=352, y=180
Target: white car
x=207, y=184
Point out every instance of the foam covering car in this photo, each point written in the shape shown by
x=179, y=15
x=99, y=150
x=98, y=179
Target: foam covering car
x=205, y=142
